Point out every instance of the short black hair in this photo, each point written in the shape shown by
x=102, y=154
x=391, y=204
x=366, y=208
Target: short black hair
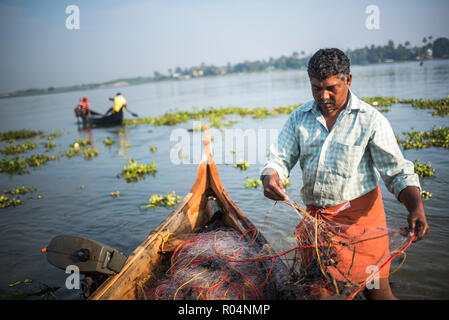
x=326, y=63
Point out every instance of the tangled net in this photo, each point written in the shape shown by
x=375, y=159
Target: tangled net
x=319, y=259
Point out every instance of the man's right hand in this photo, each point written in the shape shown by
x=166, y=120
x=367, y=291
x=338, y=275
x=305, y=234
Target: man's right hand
x=273, y=187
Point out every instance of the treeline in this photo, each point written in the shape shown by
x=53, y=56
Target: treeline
x=390, y=52
x=367, y=55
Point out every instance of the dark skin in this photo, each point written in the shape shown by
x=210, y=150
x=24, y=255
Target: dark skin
x=331, y=96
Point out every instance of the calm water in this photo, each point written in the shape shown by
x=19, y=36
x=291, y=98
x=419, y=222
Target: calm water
x=122, y=223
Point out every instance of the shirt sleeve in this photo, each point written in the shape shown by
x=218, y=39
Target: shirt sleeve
x=396, y=171
x=284, y=155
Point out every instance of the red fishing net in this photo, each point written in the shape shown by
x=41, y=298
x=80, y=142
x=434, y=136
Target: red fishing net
x=329, y=254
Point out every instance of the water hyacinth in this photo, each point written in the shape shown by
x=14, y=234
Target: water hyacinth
x=79, y=143
x=6, y=202
x=13, y=166
x=90, y=153
x=423, y=170
x=157, y=200
x=20, y=190
x=18, y=148
x=440, y=106
x=37, y=160
x=49, y=146
x=18, y=165
x=153, y=149
x=438, y=137
x=426, y=195
x=379, y=101
x=242, y=165
x=250, y=183
x=215, y=115
x=82, y=146
x=13, y=135
x=115, y=194
x=133, y=171
x=108, y=141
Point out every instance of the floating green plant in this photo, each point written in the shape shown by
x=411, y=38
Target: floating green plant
x=90, y=153
x=286, y=183
x=39, y=159
x=379, y=101
x=438, y=137
x=72, y=152
x=215, y=115
x=6, y=201
x=13, y=135
x=81, y=187
x=115, y=194
x=108, y=141
x=27, y=291
x=153, y=149
x=423, y=170
x=157, y=200
x=18, y=165
x=133, y=171
x=13, y=166
x=82, y=146
x=250, y=183
x=20, y=190
x=49, y=145
x=242, y=165
x=79, y=143
x=53, y=135
x=18, y=148
x=426, y=195
x=440, y=106
x=182, y=155
x=20, y=282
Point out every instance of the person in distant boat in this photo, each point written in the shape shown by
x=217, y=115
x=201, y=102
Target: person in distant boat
x=119, y=104
x=83, y=107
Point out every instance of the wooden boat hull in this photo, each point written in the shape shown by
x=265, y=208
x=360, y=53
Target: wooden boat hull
x=187, y=218
x=98, y=120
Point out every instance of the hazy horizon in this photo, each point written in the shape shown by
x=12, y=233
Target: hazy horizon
x=128, y=39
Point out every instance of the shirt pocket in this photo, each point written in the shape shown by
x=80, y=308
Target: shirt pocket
x=343, y=159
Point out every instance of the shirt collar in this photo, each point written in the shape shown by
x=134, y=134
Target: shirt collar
x=353, y=104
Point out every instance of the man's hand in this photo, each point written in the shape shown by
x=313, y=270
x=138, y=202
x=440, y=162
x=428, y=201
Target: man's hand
x=411, y=198
x=273, y=187
x=418, y=224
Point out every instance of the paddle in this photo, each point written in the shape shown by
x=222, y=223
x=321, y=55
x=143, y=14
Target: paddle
x=132, y=113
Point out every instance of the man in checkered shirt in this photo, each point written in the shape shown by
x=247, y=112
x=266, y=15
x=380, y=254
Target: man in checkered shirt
x=343, y=146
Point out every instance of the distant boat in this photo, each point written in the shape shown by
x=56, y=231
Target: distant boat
x=100, y=120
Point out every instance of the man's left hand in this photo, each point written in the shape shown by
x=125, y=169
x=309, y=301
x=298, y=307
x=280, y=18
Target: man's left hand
x=418, y=224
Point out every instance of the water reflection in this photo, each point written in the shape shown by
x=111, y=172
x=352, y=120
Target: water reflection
x=124, y=144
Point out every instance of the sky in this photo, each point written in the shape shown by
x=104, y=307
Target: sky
x=118, y=39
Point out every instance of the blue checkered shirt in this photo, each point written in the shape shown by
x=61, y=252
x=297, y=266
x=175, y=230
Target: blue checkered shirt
x=345, y=163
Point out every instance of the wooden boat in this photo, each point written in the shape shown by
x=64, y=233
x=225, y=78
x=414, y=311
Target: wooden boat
x=194, y=212
x=99, y=120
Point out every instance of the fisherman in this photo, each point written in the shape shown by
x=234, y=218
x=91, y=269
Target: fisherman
x=83, y=107
x=342, y=145
x=119, y=103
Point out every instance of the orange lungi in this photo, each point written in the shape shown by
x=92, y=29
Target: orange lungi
x=361, y=225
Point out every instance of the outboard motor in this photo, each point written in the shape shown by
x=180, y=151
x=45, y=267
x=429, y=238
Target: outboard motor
x=95, y=260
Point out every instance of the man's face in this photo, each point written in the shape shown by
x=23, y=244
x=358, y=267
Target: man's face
x=330, y=94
